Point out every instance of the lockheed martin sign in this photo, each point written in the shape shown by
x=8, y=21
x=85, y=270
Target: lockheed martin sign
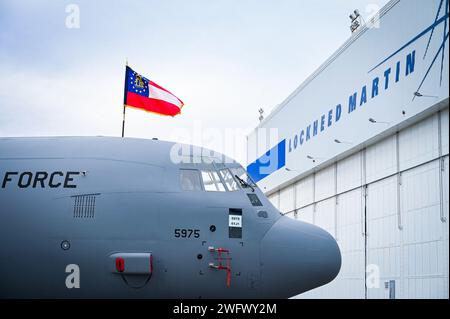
x=383, y=75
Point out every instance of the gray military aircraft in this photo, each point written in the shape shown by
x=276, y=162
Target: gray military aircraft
x=105, y=217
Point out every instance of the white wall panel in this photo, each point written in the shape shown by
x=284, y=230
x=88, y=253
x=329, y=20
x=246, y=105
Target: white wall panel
x=324, y=216
x=275, y=200
x=350, y=221
x=287, y=199
x=416, y=256
x=306, y=214
x=446, y=227
x=445, y=181
x=383, y=235
x=350, y=281
x=305, y=191
x=325, y=183
x=351, y=243
x=444, y=130
x=381, y=159
x=419, y=143
x=424, y=234
x=349, y=173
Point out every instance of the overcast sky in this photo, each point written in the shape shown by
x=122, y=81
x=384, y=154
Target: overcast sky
x=223, y=58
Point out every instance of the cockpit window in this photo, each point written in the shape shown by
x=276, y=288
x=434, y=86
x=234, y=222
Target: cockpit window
x=229, y=180
x=243, y=177
x=190, y=180
x=212, y=182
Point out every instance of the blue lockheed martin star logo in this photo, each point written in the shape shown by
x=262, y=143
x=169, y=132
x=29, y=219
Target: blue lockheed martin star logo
x=442, y=47
x=441, y=51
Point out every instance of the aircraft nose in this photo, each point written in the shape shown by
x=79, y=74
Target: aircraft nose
x=296, y=257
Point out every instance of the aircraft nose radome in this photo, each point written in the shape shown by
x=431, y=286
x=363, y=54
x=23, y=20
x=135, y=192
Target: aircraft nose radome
x=296, y=257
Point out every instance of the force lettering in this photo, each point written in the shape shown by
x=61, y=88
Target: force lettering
x=40, y=179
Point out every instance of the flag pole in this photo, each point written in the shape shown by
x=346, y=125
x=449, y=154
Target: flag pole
x=124, y=97
x=123, y=120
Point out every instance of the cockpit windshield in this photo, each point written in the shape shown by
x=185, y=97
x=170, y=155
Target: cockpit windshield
x=241, y=175
x=211, y=180
x=190, y=180
x=229, y=180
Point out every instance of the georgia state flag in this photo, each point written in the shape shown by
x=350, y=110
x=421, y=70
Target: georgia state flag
x=144, y=94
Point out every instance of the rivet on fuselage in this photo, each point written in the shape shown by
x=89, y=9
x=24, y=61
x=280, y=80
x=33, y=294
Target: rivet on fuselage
x=65, y=245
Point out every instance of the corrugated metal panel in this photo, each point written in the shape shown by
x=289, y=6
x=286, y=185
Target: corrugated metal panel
x=350, y=221
x=274, y=199
x=423, y=234
x=419, y=143
x=351, y=242
x=444, y=131
x=306, y=214
x=381, y=159
x=415, y=257
x=446, y=189
x=325, y=183
x=383, y=235
x=287, y=199
x=446, y=228
x=305, y=191
x=349, y=173
x=350, y=281
x=324, y=216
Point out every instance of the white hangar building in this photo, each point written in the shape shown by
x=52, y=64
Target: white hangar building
x=361, y=148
